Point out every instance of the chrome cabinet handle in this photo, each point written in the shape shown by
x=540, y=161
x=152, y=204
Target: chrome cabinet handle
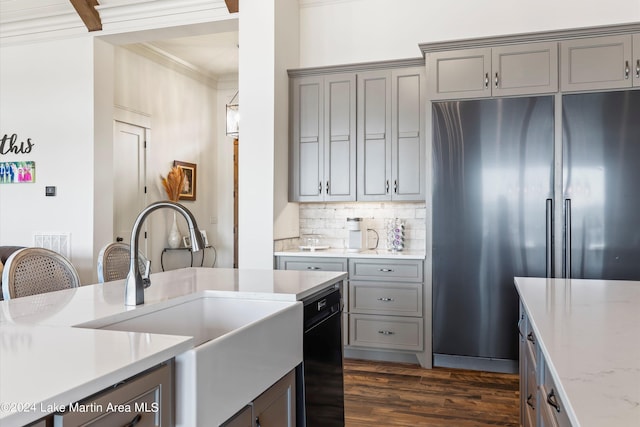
x=385, y=270
x=387, y=187
x=258, y=422
x=327, y=187
x=486, y=80
x=385, y=299
x=626, y=70
x=551, y=400
x=638, y=68
x=395, y=186
x=386, y=332
x=320, y=187
x=496, y=80
x=313, y=268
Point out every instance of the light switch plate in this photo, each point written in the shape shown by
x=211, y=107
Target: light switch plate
x=50, y=190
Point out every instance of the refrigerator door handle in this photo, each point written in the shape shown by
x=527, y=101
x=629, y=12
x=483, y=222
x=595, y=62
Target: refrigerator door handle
x=549, y=237
x=567, y=238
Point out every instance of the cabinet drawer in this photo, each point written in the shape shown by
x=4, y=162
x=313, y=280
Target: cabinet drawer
x=389, y=270
x=385, y=298
x=312, y=264
x=551, y=406
x=388, y=332
x=145, y=401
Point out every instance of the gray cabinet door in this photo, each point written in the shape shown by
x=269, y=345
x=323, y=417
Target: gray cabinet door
x=374, y=136
x=459, y=74
x=636, y=60
x=524, y=69
x=408, y=141
x=596, y=63
x=340, y=137
x=307, y=140
x=276, y=407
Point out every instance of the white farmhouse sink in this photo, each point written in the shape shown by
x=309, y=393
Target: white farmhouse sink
x=241, y=348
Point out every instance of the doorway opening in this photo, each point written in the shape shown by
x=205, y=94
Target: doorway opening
x=235, y=203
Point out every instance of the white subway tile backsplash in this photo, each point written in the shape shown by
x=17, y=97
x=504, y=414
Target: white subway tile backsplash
x=329, y=220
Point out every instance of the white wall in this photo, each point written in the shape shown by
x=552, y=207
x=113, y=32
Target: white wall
x=265, y=54
x=47, y=95
x=341, y=32
x=184, y=124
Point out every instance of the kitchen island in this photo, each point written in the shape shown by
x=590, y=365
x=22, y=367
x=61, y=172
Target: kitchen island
x=47, y=362
x=588, y=337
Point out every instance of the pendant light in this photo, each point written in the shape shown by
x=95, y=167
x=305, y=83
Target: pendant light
x=233, y=117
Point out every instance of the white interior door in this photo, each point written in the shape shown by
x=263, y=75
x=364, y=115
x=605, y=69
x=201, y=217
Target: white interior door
x=129, y=182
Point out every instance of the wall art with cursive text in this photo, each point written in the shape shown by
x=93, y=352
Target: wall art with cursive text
x=17, y=172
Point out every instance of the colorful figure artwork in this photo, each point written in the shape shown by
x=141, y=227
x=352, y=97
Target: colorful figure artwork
x=17, y=172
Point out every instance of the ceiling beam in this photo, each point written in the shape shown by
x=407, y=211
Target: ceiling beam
x=88, y=13
x=232, y=5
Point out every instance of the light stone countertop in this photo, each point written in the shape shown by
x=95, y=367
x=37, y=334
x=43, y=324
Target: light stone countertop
x=589, y=333
x=344, y=253
x=46, y=363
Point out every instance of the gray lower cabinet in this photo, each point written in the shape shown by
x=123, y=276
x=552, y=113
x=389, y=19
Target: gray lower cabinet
x=385, y=304
x=598, y=63
x=276, y=407
x=528, y=373
x=383, y=300
x=530, y=68
x=391, y=135
x=311, y=263
x=540, y=404
x=144, y=401
x=323, y=142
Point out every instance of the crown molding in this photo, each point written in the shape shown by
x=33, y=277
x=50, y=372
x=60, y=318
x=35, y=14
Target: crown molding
x=542, y=36
x=358, y=67
x=314, y=3
x=117, y=16
x=173, y=63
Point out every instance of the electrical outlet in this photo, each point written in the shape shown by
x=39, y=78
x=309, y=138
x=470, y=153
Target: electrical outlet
x=213, y=220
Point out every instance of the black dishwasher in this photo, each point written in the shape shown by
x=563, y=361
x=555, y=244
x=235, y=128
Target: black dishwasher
x=320, y=384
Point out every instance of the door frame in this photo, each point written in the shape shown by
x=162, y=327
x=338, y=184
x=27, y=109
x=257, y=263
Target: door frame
x=141, y=120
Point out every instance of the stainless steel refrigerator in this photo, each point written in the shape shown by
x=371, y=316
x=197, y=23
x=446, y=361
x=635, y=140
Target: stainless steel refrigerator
x=601, y=185
x=494, y=212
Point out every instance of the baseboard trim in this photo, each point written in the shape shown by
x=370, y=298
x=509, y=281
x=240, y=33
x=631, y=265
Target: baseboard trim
x=505, y=366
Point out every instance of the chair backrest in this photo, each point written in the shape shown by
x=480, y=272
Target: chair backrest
x=114, y=260
x=32, y=271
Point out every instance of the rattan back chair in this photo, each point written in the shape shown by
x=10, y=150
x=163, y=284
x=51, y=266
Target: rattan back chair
x=114, y=260
x=32, y=271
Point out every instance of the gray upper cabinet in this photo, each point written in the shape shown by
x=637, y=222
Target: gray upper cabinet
x=524, y=69
x=636, y=60
x=530, y=68
x=323, y=138
x=459, y=74
x=391, y=136
x=598, y=63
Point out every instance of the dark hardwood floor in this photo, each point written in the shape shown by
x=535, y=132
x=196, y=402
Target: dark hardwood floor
x=397, y=394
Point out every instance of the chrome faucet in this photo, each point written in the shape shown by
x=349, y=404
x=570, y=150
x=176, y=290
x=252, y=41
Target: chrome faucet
x=134, y=285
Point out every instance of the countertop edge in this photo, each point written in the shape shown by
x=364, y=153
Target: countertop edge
x=549, y=361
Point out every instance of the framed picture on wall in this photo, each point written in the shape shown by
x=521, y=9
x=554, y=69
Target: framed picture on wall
x=189, y=190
